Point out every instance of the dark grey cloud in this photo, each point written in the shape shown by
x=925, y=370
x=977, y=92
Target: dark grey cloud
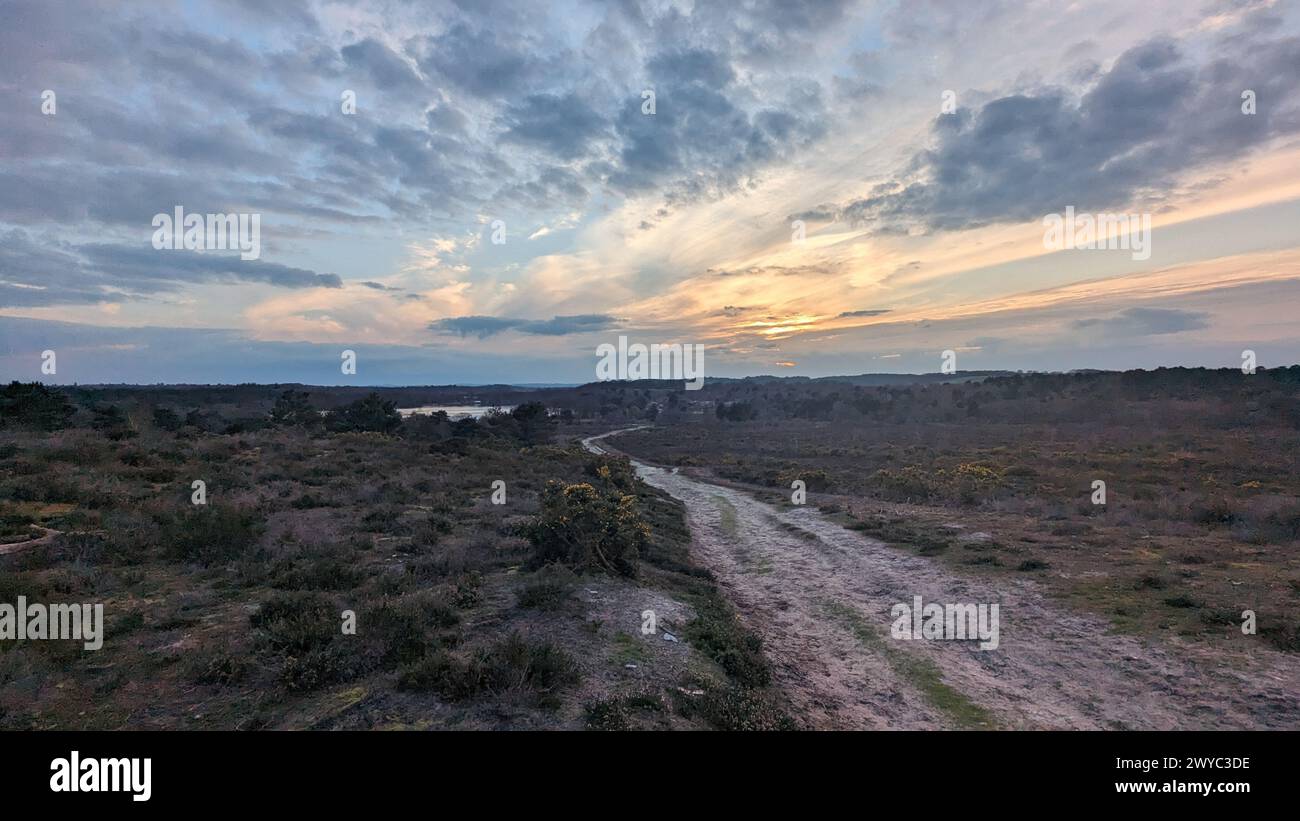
x=761, y=33
x=389, y=289
x=505, y=112
x=480, y=326
x=446, y=118
x=553, y=186
x=485, y=326
x=480, y=60
x=1144, y=322
x=385, y=68
x=138, y=266
x=39, y=271
x=34, y=275
x=296, y=13
x=563, y=125
x=1156, y=114
x=683, y=67
x=864, y=312
x=563, y=325
x=700, y=143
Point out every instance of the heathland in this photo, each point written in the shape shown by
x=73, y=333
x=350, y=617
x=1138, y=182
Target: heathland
x=303, y=557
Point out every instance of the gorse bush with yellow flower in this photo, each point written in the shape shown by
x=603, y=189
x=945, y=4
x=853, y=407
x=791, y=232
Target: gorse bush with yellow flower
x=590, y=525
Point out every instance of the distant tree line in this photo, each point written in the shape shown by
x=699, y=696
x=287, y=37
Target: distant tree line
x=38, y=406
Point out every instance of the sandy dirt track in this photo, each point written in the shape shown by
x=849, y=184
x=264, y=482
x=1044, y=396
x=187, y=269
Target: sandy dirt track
x=820, y=597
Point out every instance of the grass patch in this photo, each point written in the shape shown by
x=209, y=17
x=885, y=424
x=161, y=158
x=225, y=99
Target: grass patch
x=921, y=673
x=628, y=649
x=727, y=511
x=717, y=632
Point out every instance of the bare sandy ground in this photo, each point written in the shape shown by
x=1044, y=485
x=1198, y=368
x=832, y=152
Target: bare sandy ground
x=820, y=597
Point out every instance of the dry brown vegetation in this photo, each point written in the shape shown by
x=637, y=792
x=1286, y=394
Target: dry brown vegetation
x=229, y=614
x=528, y=614
x=1202, y=513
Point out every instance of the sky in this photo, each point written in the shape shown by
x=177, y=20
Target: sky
x=486, y=191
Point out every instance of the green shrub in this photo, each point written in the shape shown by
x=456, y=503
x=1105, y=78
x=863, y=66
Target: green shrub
x=210, y=534
x=297, y=622
x=440, y=673
x=370, y=413
x=402, y=630
x=317, y=573
x=588, y=529
x=166, y=419
x=717, y=633
x=512, y=665
x=550, y=589
x=517, y=664
x=218, y=666
x=320, y=667
x=292, y=409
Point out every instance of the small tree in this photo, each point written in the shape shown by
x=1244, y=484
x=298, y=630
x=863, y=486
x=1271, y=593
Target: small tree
x=166, y=419
x=532, y=420
x=370, y=413
x=292, y=409
x=737, y=411
x=197, y=418
x=112, y=421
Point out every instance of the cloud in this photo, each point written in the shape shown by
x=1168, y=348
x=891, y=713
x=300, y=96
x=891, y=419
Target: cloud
x=1145, y=322
x=478, y=61
x=40, y=271
x=251, y=112
x=864, y=312
x=560, y=124
x=485, y=326
x=1155, y=115
x=92, y=354
x=480, y=326
x=700, y=144
x=387, y=70
x=470, y=112
x=136, y=267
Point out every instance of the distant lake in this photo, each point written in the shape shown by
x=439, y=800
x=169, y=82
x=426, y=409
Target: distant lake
x=455, y=411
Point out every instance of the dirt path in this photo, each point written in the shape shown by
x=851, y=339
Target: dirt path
x=47, y=536
x=820, y=597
